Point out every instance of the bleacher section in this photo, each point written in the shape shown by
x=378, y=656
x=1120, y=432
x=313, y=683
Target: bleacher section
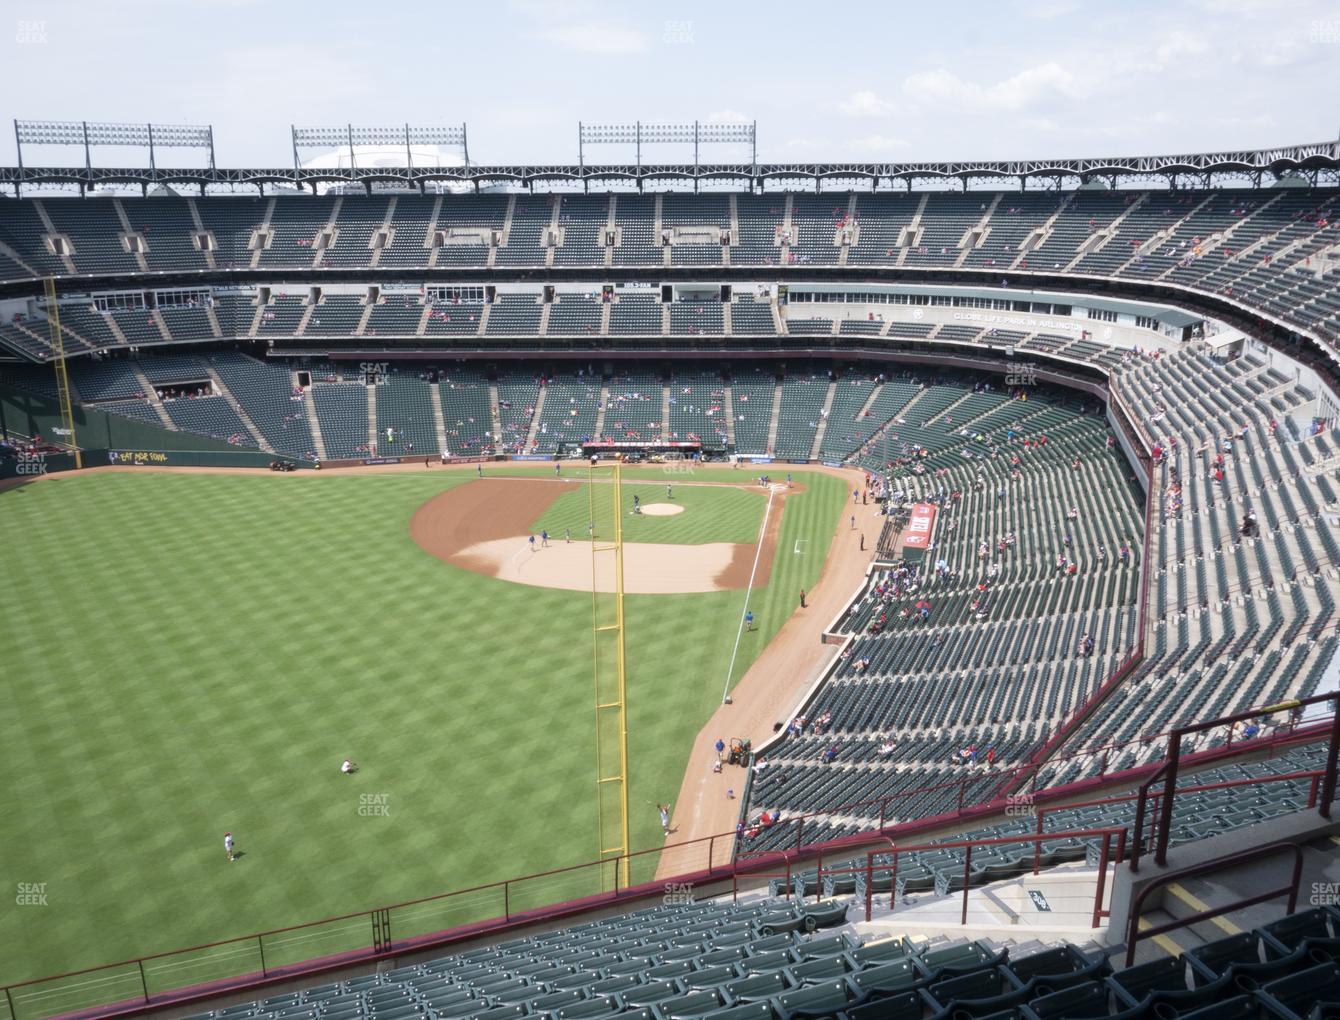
x=404, y=405
x=799, y=415
x=465, y=411
x=633, y=411
x=575, y=313
x=209, y=416
x=770, y=959
x=1272, y=250
x=996, y=661
x=635, y=313
x=342, y=410
x=571, y=406
x=518, y=394
x=751, y=400
x=697, y=408
x=582, y=220
x=1237, y=619
x=847, y=429
x=515, y=315
x=268, y=396
x=1198, y=814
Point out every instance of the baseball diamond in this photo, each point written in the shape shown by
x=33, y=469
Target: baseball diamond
x=448, y=579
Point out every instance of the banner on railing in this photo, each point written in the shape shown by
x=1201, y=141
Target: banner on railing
x=920, y=528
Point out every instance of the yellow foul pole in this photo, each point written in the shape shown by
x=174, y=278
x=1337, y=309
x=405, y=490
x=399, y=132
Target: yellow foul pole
x=610, y=670
x=62, y=378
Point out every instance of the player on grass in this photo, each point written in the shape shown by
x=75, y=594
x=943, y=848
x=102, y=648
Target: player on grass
x=228, y=845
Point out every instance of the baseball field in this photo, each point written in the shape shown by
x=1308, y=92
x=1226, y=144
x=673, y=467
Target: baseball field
x=189, y=654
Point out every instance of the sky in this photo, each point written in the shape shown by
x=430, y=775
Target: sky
x=848, y=81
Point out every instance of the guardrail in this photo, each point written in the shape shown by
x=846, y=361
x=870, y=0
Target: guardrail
x=1134, y=933
x=200, y=972
x=1105, y=855
x=1168, y=771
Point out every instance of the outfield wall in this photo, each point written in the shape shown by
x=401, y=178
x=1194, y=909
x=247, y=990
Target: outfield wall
x=139, y=443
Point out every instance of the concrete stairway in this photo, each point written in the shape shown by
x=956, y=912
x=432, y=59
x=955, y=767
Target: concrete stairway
x=600, y=414
x=125, y=225
x=772, y=424
x=534, y=429
x=387, y=220
x=728, y=407
x=1043, y=232
x=823, y=420
x=162, y=325
x=151, y=394
x=309, y=403
x=264, y=225
x=200, y=229
x=981, y=226
x=914, y=226
x=439, y=419
x=50, y=227
x=219, y=387
x=495, y=418
x=372, y=419
x=329, y=225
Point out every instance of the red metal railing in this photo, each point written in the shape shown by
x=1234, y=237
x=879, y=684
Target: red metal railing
x=1105, y=856
x=1133, y=932
x=1168, y=771
x=439, y=921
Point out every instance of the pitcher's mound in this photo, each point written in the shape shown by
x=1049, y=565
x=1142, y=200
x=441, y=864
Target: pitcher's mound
x=484, y=526
x=661, y=509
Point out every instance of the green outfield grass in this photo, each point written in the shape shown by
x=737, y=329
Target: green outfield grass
x=186, y=654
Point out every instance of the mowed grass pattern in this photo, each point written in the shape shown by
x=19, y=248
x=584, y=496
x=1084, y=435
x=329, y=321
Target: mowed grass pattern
x=189, y=654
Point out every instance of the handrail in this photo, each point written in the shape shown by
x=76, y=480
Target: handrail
x=1168, y=771
x=1133, y=932
x=509, y=917
x=1108, y=834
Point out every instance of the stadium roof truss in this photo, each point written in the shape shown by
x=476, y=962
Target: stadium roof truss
x=1320, y=161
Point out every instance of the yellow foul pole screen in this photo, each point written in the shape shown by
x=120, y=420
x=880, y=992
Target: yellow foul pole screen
x=609, y=667
x=62, y=379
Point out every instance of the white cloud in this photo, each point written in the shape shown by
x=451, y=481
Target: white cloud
x=1180, y=46
x=879, y=145
x=1020, y=92
x=727, y=117
x=593, y=37
x=1046, y=10
x=865, y=104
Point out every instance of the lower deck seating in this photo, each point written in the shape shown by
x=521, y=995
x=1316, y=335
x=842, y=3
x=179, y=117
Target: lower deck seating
x=770, y=961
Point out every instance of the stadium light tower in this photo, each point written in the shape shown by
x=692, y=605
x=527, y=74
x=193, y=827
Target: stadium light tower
x=350, y=137
x=696, y=134
x=135, y=136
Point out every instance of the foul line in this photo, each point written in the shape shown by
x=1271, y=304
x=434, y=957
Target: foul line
x=758, y=551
